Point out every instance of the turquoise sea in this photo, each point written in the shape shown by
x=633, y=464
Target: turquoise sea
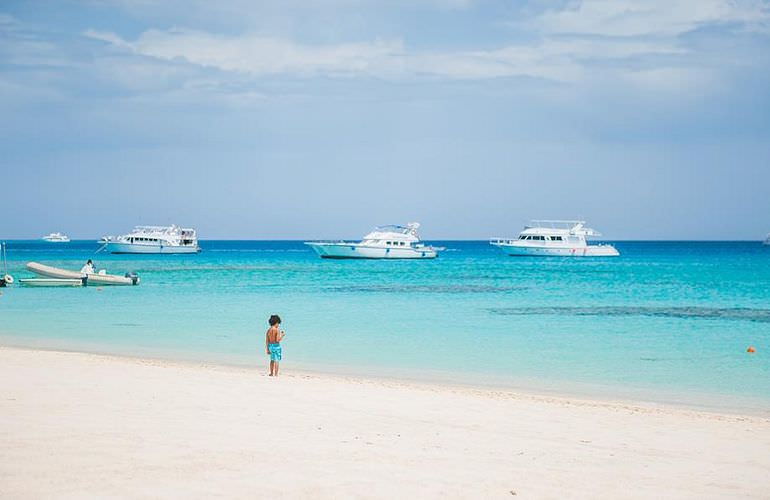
x=666, y=322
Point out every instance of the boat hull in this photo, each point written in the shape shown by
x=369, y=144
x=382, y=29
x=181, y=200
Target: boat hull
x=116, y=247
x=358, y=251
x=51, y=282
x=544, y=251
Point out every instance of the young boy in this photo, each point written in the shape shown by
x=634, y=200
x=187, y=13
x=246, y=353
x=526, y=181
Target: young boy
x=273, y=343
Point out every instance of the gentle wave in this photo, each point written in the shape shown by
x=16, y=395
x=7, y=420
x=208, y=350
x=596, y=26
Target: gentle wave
x=691, y=312
x=424, y=288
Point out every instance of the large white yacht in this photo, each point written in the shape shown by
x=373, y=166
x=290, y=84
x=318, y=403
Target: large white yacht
x=562, y=238
x=154, y=239
x=385, y=242
x=56, y=238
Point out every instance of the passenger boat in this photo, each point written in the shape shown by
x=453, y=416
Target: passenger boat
x=385, y=242
x=56, y=238
x=98, y=279
x=557, y=238
x=154, y=240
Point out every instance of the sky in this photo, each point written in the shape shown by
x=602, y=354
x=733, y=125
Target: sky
x=292, y=119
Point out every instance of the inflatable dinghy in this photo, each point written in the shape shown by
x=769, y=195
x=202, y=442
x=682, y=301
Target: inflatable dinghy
x=88, y=279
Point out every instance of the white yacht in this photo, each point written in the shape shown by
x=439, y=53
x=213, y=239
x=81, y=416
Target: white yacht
x=56, y=238
x=154, y=239
x=767, y=240
x=562, y=238
x=385, y=242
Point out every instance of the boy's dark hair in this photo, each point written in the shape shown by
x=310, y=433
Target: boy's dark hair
x=274, y=320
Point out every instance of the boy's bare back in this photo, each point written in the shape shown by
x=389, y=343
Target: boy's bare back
x=274, y=334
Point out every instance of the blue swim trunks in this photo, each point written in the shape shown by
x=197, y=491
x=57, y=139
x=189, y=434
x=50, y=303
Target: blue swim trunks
x=275, y=351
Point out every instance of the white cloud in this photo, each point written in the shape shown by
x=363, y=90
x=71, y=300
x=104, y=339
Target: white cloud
x=261, y=55
x=556, y=60
x=650, y=17
x=106, y=36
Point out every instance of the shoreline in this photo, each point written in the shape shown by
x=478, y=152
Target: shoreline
x=106, y=425
x=581, y=392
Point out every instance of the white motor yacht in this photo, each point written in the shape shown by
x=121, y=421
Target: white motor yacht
x=385, y=242
x=767, y=240
x=56, y=238
x=154, y=239
x=559, y=238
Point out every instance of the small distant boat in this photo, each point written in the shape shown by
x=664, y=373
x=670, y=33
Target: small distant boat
x=56, y=238
x=555, y=238
x=385, y=242
x=767, y=240
x=154, y=240
x=100, y=278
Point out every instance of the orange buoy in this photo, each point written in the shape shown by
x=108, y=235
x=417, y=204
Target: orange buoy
x=751, y=349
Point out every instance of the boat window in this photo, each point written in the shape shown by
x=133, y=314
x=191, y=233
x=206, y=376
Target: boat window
x=556, y=238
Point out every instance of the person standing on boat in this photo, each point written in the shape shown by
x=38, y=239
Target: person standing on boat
x=88, y=268
x=273, y=339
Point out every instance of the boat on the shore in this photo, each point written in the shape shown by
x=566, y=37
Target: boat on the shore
x=385, y=242
x=56, y=238
x=555, y=238
x=100, y=278
x=7, y=279
x=154, y=240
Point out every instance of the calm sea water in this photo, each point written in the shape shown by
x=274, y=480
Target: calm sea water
x=666, y=321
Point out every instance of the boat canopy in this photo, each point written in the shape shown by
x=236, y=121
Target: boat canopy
x=396, y=232
x=410, y=228
x=574, y=227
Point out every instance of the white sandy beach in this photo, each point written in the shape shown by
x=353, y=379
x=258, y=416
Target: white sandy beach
x=74, y=425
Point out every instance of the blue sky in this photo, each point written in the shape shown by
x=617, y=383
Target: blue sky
x=311, y=119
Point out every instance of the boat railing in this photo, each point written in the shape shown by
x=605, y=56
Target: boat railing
x=554, y=223
x=394, y=228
